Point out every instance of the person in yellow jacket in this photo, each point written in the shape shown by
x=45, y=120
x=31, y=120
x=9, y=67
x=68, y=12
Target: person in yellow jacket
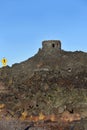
x=4, y=61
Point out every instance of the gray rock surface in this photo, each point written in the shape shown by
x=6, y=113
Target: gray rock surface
x=52, y=81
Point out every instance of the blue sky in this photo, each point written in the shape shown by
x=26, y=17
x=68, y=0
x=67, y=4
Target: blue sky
x=24, y=24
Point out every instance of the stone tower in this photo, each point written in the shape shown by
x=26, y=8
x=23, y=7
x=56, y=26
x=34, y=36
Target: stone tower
x=51, y=45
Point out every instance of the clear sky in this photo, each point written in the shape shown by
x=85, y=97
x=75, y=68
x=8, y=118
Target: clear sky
x=24, y=24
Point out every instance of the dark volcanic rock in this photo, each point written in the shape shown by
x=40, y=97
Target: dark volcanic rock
x=52, y=81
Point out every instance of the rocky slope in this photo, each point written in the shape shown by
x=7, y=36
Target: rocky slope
x=52, y=82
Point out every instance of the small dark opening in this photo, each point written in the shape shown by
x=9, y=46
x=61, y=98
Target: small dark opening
x=37, y=105
x=59, y=72
x=69, y=69
x=53, y=45
x=30, y=107
x=71, y=111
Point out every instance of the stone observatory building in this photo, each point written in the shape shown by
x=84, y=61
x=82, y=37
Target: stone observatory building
x=51, y=44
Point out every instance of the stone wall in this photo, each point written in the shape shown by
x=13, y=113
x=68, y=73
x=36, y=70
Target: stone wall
x=51, y=44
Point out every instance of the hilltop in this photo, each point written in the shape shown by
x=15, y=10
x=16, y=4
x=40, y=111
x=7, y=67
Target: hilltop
x=53, y=81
